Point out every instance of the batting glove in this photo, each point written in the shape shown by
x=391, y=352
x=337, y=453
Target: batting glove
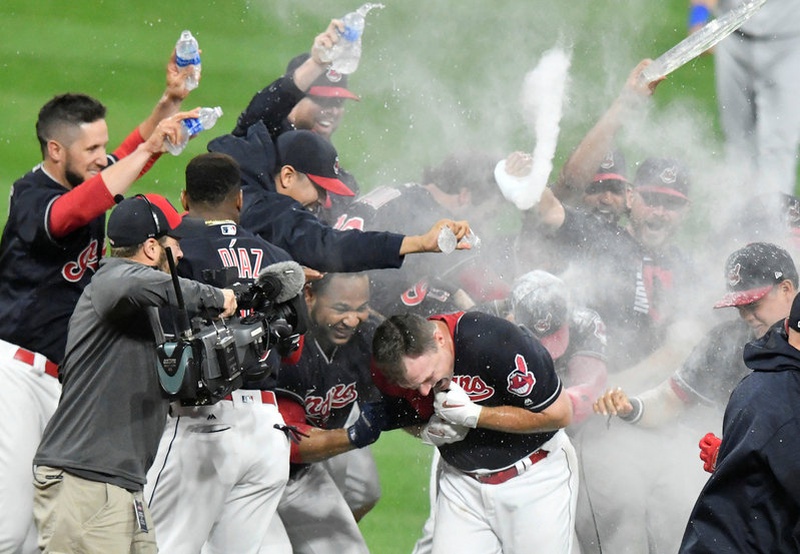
x=438, y=432
x=709, y=448
x=454, y=406
x=368, y=426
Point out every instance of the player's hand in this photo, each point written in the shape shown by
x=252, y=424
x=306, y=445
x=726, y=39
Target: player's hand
x=323, y=42
x=519, y=164
x=438, y=432
x=709, y=448
x=367, y=428
x=453, y=405
x=176, y=79
x=636, y=86
x=167, y=128
x=614, y=402
x=230, y=305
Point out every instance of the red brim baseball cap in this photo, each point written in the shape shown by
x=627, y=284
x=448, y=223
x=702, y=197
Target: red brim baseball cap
x=743, y=297
x=609, y=177
x=331, y=185
x=663, y=190
x=332, y=92
x=557, y=343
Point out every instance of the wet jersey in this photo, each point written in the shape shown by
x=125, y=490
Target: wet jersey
x=497, y=363
x=41, y=277
x=715, y=366
x=329, y=388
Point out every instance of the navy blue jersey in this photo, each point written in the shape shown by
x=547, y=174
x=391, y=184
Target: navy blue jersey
x=285, y=223
x=41, y=278
x=497, y=363
x=225, y=244
x=425, y=284
x=329, y=388
x=715, y=366
x=636, y=292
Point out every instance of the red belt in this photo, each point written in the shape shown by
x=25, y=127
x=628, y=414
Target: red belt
x=28, y=357
x=504, y=475
x=267, y=397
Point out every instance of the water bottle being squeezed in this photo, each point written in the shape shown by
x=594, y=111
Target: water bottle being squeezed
x=191, y=126
x=187, y=53
x=345, y=55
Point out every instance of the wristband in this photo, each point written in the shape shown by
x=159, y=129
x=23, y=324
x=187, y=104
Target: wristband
x=636, y=414
x=699, y=15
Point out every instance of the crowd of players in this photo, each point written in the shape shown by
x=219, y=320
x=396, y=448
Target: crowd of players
x=500, y=355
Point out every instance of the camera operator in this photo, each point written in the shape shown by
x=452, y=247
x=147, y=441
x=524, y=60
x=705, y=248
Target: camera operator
x=91, y=464
x=221, y=468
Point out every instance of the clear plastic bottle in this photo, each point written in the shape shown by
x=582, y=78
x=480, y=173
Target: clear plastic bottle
x=187, y=52
x=447, y=240
x=193, y=125
x=346, y=54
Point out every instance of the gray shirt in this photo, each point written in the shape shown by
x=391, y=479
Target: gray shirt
x=776, y=18
x=112, y=410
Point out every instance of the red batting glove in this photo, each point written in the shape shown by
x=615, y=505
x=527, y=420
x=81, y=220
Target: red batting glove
x=709, y=448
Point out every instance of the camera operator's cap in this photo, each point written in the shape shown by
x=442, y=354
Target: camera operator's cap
x=141, y=217
x=309, y=153
x=540, y=302
x=329, y=85
x=752, y=271
x=663, y=176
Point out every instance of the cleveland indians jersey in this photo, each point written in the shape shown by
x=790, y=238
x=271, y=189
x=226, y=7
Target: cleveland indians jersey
x=497, y=363
x=41, y=277
x=329, y=388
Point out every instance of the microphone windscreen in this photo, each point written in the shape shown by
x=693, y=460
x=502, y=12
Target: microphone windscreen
x=281, y=281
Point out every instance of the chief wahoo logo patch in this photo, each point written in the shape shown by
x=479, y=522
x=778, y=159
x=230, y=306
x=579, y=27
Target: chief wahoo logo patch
x=520, y=381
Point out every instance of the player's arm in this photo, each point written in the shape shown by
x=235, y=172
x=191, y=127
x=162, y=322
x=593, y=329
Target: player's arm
x=582, y=164
x=588, y=375
x=92, y=198
x=170, y=102
x=512, y=419
x=652, y=408
x=428, y=242
x=453, y=405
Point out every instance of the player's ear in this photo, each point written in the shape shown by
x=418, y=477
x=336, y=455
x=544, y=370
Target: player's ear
x=286, y=178
x=239, y=201
x=55, y=150
x=309, y=296
x=184, y=200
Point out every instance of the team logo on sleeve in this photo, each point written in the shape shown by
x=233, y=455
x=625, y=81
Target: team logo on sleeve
x=521, y=380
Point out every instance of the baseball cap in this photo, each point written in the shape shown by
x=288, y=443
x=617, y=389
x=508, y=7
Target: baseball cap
x=752, y=271
x=311, y=154
x=663, y=176
x=330, y=84
x=141, y=217
x=539, y=301
x=612, y=168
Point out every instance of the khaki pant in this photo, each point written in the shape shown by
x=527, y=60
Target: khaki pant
x=75, y=515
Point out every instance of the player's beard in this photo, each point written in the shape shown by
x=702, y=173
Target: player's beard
x=73, y=178
x=162, y=262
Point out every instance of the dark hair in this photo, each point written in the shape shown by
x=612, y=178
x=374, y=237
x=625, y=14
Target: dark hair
x=402, y=335
x=212, y=178
x=132, y=250
x=471, y=170
x=319, y=286
x=66, y=110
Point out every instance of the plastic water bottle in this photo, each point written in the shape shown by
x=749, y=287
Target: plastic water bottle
x=345, y=54
x=193, y=125
x=187, y=52
x=447, y=240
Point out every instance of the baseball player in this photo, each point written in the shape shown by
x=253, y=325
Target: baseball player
x=280, y=200
x=755, y=84
x=325, y=390
x=495, y=408
x=573, y=336
x=762, y=282
x=220, y=469
x=749, y=503
x=307, y=96
x=51, y=246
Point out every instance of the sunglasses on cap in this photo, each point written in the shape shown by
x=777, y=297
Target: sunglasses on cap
x=612, y=185
x=666, y=201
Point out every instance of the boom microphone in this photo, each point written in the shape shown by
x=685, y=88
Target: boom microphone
x=280, y=281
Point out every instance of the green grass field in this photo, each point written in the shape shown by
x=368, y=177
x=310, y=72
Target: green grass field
x=436, y=76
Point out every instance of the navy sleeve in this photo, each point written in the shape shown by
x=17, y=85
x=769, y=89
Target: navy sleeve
x=270, y=105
